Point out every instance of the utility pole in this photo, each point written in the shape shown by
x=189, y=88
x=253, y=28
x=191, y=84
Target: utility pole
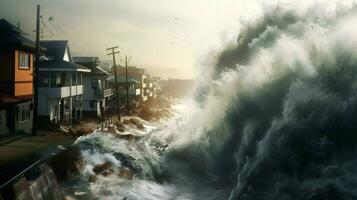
x=126, y=85
x=35, y=73
x=113, y=51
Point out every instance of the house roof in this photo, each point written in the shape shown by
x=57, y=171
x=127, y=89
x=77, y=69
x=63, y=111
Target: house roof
x=56, y=52
x=122, y=79
x=92, y=64
x=102, y=70
x=55, y=48
x=61, y=65
x=12, y=37
x=87, y=59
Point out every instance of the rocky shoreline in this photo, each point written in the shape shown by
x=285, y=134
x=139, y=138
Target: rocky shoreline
x=123, y=131
x=43, y=180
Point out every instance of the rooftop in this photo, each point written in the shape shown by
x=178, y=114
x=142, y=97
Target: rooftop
x=61, y=65
x=91, y=63
x=122, y=79
x=12, y=37
x=56, y=48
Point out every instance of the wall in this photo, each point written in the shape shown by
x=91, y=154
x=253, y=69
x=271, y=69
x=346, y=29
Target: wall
x=7, y=72
x=26, y=125
x=88, y=93
x=4, y=129
x=40, y=183
x=23, y=77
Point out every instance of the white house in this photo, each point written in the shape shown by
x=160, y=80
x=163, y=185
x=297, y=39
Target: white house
x=134, y=90
x=140, y=75
x=96, y=93
x=60, y=84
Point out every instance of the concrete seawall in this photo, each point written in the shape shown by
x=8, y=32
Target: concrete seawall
x=41, y=181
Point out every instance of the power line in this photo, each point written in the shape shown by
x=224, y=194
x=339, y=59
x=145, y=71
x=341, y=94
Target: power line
x=45, y=26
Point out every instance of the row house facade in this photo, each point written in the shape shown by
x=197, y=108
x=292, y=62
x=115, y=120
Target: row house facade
x=69, y=87
x=149, y=90
x=155, y=80
x=16, y=81
x=134, y=90
x=60, y=84
x=96, y=91
x=141, y=76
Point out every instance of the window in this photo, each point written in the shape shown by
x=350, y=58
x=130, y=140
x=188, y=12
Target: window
x=23, y=112
x=64, y=79
x=24, y=60
x=94, y=83
x=91, y=103
x=74, y=78
x=44, y=80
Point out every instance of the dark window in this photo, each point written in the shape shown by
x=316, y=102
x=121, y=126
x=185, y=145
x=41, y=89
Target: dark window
x=91, y=104
x=94, y=83
x=44, y=80
x=74, y=78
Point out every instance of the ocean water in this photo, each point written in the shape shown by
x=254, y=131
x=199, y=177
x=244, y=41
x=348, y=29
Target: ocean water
x=272, y=118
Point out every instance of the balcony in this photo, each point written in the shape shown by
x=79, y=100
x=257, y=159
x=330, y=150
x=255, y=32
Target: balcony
x=144, y=98
x=108, y=92
x=61, y=92
x=103, y=93
x=131, y=91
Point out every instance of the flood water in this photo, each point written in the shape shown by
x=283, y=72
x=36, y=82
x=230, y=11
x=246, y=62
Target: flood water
x=274, y=117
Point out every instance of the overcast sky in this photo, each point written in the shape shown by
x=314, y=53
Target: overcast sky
x=168, y=37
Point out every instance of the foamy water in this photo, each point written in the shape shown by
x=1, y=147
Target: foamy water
x=273, y=118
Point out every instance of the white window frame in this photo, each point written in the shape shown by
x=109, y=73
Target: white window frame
x=24, y=60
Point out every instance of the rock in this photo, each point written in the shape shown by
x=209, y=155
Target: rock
x=121, y=129
x=99, y=169
x=126, y=121
x=107, y=172
x=128, y=137
x=119, y=124
x=134, y=121
x=111, y=129
x=140, y=126
x=83, y=131
x=126, y=174
x=92, y=178
x=67, y=162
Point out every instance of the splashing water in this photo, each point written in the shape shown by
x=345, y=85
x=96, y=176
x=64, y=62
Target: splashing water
x=274, y=119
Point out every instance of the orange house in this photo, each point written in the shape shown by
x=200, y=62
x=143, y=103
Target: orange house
x=16, y=80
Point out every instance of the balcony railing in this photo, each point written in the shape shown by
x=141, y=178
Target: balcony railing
x=108, y=92
x=103, y=92
x=61, y=92
x=131, y=91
